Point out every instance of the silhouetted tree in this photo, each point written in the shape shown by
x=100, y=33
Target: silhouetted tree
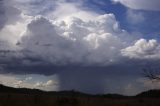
x=151, y=73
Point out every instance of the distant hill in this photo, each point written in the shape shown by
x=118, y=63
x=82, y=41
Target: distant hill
x=33, y=97
x=150, y=93
x=6, y=89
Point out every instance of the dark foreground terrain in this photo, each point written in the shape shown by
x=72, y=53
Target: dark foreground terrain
x=32, y=97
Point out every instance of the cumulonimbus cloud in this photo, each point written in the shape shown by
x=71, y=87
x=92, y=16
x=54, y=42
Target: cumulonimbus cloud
x=60, y=38
x=95, y=41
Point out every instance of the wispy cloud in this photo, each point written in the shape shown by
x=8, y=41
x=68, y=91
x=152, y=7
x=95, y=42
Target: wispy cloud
x=153, y=5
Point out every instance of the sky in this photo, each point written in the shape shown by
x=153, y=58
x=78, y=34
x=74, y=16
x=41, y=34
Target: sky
x=93, y=46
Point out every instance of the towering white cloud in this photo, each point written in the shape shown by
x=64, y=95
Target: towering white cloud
x=153, y=5
x=98, y=40
x=143, y=49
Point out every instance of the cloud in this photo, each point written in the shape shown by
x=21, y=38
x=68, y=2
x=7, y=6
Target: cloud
x=153, y=5
x=50, y=84
x=12, y=23
x=16, y=30
x=72, y=42
x=135, y=17
x=67, y=10
x=2, y=15
x=15, y=81
x=20, y=82
x=9, y=14
x=30, y=81
x=143, y=49
x=149, y=84
x=66, y=36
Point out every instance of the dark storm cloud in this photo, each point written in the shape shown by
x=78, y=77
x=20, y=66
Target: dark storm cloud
x=2, y=14
x=98, y=79
x=8, y=13
x=120, y=78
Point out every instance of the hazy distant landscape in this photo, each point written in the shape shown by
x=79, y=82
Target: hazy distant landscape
x=32, y=97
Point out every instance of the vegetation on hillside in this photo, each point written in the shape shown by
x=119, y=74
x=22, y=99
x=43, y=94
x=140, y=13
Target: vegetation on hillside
x=32, y=97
